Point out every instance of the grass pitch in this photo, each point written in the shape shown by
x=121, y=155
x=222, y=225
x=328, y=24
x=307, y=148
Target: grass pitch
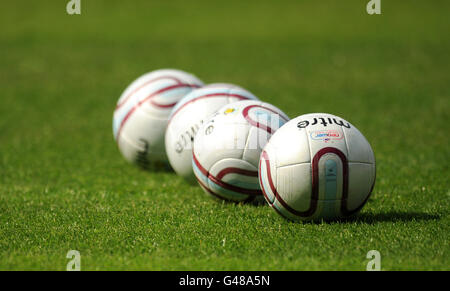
x=64, y=185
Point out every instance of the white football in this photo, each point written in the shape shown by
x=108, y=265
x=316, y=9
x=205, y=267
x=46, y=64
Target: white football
x=187, y=117
x=228, y=146
x=317, y=166
x=143, y=110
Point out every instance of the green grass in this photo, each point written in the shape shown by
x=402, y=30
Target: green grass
x=64, y=184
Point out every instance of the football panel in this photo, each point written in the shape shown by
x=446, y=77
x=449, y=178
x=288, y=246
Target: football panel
x=182, y=76
x=359, y=149
x=330, y=177
x=182, y=130
x=178, y=147
x=290, y=144
x=236, y=93
x=236, y=172
x=264, y=124
x=254, y=146
x=268, y=174
x=130, y=149
x=263, y=115
x=212, y=91
x=138, y=152
x=226, y=193
x=217, y=187
x=159, y=102
x=216, y=190
x=326, y=210
x=294, y=187
x=220, y=139
x=320, y=137
x=141, y=126
x=156, y=80
x=361, y=180
x=281, y=210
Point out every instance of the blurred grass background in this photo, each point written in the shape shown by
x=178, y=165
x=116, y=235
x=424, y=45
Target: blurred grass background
x=64, y=185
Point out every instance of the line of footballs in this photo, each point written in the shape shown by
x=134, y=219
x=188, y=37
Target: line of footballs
x=241, y=149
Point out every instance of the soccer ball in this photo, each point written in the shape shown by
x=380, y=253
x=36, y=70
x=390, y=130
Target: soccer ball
x=142, y=113
x=317, y=166
x=228, y=146
x=189, y=114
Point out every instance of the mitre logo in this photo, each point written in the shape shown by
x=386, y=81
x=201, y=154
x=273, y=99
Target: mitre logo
x=322, y=121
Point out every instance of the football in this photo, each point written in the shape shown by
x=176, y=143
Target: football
x=228, y=146
x=142, y=112
x=107, y=163
x=317, y=166
x=187, y=117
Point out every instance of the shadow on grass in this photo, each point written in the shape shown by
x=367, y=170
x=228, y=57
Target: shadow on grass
x=249, y=202
x=392, y=216
x=373, y=218
x=155, y=167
